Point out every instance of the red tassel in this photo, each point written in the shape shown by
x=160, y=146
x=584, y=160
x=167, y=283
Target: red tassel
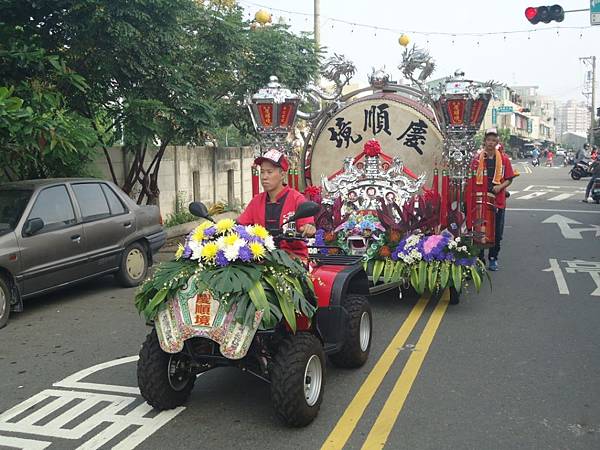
x=469, y=199
x=254, y=180
x=444, y=203
x=435, y=181
x=290, y=178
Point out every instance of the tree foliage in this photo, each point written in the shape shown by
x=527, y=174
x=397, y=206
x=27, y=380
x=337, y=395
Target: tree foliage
x=156, y=72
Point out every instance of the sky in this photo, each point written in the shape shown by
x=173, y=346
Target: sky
x=543, y=56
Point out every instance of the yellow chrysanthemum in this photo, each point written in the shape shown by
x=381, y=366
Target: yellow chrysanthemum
x=179, y=252
x=259, y=231
x=204, y=225
x=209, y=251
x=198, y=234
x=257, y=249
x=224, y=225
x=231, y=239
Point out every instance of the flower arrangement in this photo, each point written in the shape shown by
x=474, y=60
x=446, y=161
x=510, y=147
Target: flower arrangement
x=238, y=265
x=432, y=262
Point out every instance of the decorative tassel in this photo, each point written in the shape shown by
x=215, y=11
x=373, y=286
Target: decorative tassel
x=444, y=202
x=435, y=181
x=469, y=199
x=254, y=180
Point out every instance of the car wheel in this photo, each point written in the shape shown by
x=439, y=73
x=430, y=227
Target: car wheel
x=5, y=297
x=134, y=265
x=298, y=379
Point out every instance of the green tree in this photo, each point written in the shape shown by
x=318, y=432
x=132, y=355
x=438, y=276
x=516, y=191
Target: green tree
x=40, y=136
x=162, y=72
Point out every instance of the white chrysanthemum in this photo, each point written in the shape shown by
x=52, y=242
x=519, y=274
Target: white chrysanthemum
x=457, y=239
x=221, y=243
x=412, y=240
x=270, y=243
x=196, y=250
x=231, y=252
x=240, y=243
x=414, y=254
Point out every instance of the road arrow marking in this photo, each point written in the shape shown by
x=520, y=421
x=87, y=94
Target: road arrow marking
x=532, y=195
x=568, y=232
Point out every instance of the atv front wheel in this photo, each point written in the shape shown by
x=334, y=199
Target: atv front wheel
x=165, y=380
x=297, y=379
x=357, y=340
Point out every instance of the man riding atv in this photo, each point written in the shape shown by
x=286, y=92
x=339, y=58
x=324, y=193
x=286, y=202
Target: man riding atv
x=277, y=203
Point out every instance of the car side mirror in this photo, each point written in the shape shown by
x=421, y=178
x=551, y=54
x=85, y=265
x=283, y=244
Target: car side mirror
x=306, y=209
x=32, y=226
x=199, y=209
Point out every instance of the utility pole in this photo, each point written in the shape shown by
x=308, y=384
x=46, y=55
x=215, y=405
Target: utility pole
x=317, y=23
x=591, y=60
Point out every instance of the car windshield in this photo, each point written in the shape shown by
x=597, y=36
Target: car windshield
x=12, y=204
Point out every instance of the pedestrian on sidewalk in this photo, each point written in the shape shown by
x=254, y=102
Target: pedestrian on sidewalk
x=595, y=169
x=500, y=174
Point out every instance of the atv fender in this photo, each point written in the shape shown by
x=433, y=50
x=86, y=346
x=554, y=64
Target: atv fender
x=332, y=284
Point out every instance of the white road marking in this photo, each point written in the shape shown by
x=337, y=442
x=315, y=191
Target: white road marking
x=74, y=381
x=532, y=195
x=554, y=210
x=560, y=197
x=108, y=409
x=567, y=231
x=558, y=275
x=24, y=444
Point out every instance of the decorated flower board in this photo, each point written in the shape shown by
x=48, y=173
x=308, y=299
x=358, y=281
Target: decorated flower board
x=226, y=282
x=377, y=208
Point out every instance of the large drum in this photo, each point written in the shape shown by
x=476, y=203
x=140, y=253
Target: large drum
x=404, y=128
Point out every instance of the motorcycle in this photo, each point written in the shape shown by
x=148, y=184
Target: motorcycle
x=293, y=363
x=580, y=170
x=535, y=162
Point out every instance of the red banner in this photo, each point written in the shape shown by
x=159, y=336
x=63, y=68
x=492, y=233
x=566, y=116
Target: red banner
x=285, y=113
x=456, y=109
x=475, y=112
x=265, y=111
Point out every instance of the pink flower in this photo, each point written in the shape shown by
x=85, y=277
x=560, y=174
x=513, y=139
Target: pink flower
x=432, y=242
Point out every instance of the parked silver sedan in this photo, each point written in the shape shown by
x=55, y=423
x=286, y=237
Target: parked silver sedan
x=58, y=232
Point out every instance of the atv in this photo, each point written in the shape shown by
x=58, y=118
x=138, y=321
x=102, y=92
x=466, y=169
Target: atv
x=293, y=363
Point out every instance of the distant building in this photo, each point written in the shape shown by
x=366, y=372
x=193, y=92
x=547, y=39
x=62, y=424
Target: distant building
x=573, y=117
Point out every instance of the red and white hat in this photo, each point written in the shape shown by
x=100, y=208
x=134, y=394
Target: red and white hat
x=275, y=157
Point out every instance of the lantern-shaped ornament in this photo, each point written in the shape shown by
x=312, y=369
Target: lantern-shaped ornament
x=273, y=111
x=263, y=17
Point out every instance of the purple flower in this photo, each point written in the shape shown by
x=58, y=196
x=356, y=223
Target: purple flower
x=245, y=254
x=242, y=233
x=210, y=231
x=221, y=259
x=320, y=241
x=187, y=252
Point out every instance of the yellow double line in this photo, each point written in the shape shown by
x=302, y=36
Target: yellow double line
x=387, y=417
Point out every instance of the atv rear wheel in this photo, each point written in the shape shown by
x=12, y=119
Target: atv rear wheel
x=357, y=340
x=165, y=380
x=297, y=379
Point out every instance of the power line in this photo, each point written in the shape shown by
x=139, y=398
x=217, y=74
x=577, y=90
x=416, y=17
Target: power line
x=418, y=32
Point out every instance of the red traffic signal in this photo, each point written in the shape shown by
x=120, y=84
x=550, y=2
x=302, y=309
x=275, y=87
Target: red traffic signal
x=545, y=14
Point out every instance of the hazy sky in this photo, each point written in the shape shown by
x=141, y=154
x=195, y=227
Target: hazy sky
x=541, y=57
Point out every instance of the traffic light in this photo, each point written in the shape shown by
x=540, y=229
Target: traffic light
x=545, y=14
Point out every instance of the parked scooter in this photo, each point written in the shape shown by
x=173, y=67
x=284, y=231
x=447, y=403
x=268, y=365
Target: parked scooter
x=581, y=169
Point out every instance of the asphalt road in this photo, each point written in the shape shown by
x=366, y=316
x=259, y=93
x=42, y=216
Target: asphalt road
x=517, y=366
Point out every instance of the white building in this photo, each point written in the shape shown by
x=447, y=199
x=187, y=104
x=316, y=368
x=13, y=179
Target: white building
x=572, y=117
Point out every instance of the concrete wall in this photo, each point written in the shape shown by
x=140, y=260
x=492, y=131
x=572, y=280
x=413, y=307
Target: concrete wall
x=206, y=174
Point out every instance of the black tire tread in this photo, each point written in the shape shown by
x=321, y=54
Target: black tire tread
x=351, y=356
x=122, y=276
x=153, y=380
x=287, y=379
x=6, y=286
